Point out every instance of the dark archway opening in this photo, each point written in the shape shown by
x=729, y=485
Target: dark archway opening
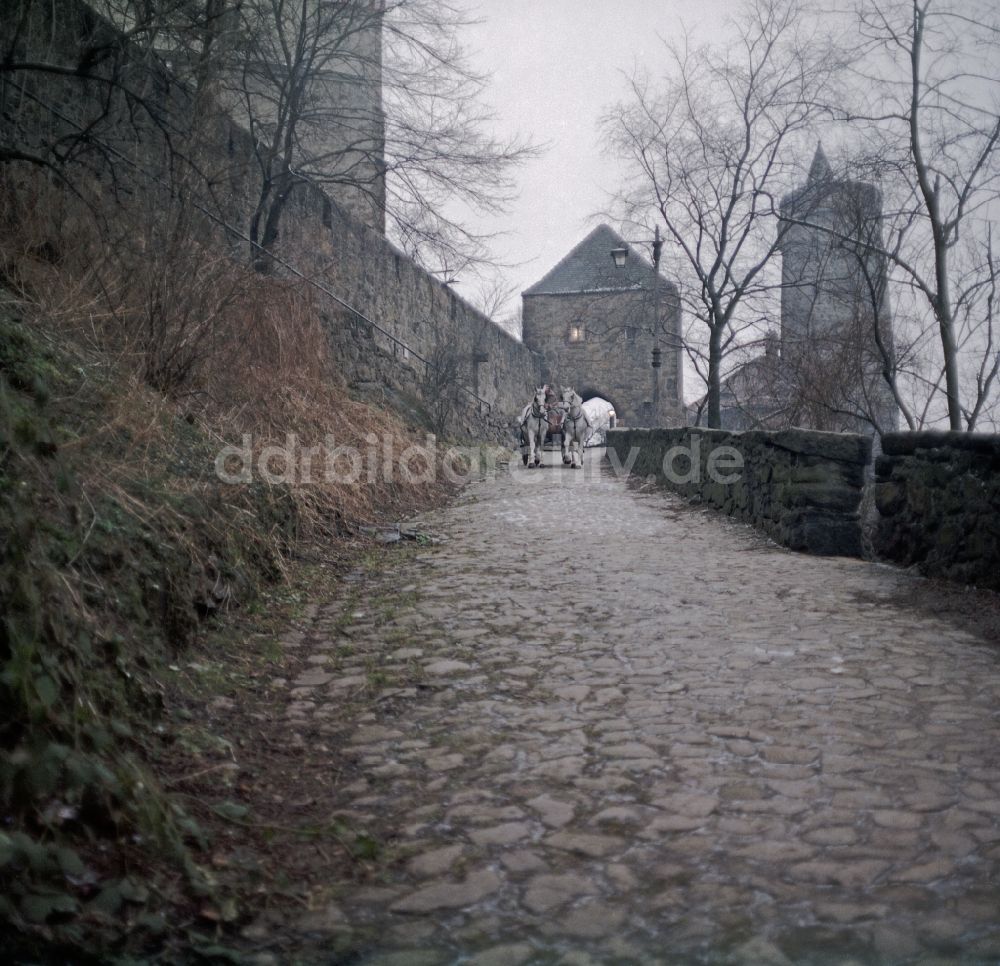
x=588, y=394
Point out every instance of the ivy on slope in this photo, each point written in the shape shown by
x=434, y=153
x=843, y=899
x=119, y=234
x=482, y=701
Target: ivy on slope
x=109, y=556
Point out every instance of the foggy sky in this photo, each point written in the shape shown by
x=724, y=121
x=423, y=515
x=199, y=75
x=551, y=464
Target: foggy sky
x=556, y=66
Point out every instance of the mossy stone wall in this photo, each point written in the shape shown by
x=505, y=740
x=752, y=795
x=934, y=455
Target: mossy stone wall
x=802, y=488
x=938, y=498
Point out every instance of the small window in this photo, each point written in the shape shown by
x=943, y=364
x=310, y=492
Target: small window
x=631, y=333
x=575, y=333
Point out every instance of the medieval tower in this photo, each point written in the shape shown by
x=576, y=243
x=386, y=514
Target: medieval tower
x=596, y=326
x=836, y=327
x=356, y=138
x=327, y=60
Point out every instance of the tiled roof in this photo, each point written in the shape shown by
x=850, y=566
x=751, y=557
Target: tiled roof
x=590, y=268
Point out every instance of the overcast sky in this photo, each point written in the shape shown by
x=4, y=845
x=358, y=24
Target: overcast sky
x=556, y=65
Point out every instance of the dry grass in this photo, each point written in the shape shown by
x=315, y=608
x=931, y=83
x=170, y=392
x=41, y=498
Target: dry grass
x=131, y=351
x=190, y=332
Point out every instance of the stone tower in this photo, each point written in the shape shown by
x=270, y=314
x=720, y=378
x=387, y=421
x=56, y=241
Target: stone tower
x=596, y=325
x=357, y=135
x=342, y=125
x=835, y=310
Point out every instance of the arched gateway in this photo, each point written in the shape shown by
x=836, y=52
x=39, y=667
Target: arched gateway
x=587, y=393
x=596, y=325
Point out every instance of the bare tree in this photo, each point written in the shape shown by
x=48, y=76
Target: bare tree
x=756, y=395
x=36, y=71
x=710, y=149
x=297, y=63
x=442, y=385
x=497, y=299
x=373, y=98
x=310, y=80
x=932, y=133
x=71, y=91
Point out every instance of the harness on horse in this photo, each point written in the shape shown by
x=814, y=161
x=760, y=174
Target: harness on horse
x=552, y=413
x=533, y=412
x=581, y=413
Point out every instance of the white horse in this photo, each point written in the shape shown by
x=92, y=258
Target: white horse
x=576, y=427
x=534, y=426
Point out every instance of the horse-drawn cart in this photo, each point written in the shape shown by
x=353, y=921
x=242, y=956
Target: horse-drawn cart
x=545, y=420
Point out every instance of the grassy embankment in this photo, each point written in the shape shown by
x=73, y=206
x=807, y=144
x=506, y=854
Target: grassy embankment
x=128, y=356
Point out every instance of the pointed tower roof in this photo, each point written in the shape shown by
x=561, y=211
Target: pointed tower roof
x=589, y=268
x=820, y=169
x=820, y=187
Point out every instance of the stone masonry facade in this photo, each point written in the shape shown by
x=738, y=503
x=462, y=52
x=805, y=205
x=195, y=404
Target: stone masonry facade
x=824, y=371
x=430, y=322
x=596, y=327
x=608, y=361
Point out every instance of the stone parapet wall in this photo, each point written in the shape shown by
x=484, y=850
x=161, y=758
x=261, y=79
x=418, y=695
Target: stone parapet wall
x=802, y=488
x=938, y=499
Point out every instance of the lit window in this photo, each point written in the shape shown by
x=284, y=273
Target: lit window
x=576, y=333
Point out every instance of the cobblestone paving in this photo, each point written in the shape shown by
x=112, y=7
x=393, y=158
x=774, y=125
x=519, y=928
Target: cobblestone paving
x=613, y=729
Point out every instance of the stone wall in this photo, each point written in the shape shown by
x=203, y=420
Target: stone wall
x=424, y=320
x=938, y=498
x=373, y=276
x=802, y=488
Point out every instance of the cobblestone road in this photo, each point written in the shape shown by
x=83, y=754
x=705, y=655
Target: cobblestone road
x=613, y=729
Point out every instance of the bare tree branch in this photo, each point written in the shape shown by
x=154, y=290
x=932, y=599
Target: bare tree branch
x=710, y=150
